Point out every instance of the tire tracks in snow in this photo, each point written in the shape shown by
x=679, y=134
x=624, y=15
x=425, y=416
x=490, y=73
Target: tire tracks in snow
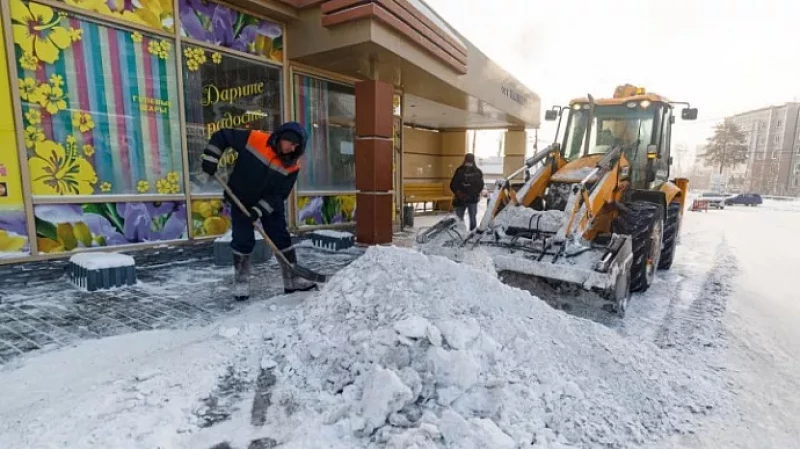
x=700, y=325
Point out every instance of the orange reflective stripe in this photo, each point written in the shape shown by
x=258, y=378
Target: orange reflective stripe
x=257, y=144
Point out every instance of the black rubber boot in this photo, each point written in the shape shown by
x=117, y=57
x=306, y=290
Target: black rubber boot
x=241, y=276
x=291, y=282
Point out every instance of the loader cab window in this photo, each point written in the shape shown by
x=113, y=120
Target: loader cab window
x=631, y=127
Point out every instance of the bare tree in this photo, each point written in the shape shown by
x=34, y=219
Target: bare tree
x=727, y=147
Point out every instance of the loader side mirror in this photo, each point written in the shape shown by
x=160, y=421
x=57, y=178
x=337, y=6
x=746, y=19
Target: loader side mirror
x=550, y=115
x=689, y=114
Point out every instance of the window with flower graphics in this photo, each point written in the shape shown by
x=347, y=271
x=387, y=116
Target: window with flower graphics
x=216, y=24
x=155, y=14
x=224, y=91
x=99, y=105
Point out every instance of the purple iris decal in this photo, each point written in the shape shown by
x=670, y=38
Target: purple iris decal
x=13, y=221
x=101, y=227
x=223, y=26
x=145, y=222
x=313, y=211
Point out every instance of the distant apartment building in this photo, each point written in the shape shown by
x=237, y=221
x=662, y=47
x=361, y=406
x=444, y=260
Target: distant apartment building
x=773, y=140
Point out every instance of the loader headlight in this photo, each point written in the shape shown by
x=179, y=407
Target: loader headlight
x=625, y=172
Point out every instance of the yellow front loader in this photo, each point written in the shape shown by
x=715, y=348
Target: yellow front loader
x=597, y=209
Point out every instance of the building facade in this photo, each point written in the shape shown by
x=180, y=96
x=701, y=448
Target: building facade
x=106, y=106
x=773, y=139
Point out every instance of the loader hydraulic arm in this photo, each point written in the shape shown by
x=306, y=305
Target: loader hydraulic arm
x=592, y=202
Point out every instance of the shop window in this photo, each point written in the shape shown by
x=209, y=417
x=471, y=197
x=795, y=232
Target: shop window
x=13, y=222
x=224, y=91
x=67, y=227
x=328, y=112
x=326, y=210
x=155, y=14
x=220, y=25
x=99, y=106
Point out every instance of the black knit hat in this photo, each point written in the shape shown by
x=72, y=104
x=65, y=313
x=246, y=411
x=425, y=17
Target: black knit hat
x=469, y=158
x=291, y=136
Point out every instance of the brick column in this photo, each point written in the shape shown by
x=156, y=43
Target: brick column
x=373, y=151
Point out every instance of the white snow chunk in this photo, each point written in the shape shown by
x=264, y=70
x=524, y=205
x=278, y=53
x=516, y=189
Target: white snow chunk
x=268, y=363
x=434, y=335
x=489, y=435
x=98, y=261
x=412, y=327
x=228, y=332
x=459, y=334
x=333, y=234
x=384, y=393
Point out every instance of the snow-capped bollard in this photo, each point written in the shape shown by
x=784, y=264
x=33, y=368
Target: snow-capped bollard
x=332, y=240
x=223, y=255
x=100, y=271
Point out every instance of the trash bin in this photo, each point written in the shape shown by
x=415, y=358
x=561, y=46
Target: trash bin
x=408, y=215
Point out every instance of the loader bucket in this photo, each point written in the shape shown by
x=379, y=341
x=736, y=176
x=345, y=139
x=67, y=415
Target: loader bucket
x=604, y=271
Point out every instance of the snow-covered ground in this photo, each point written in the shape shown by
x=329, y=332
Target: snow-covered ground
x=402, y=350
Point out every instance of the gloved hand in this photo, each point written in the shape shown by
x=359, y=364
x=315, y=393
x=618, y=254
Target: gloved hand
x=255, y=214
x=209, y=167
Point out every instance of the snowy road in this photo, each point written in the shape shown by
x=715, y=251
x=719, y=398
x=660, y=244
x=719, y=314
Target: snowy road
x=762, y=323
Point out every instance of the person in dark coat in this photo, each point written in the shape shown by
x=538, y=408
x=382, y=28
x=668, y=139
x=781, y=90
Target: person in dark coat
x=264, y=175
x=467, y=185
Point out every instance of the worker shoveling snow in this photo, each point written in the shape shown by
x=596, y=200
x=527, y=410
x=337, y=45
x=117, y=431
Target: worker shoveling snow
x=404, y=350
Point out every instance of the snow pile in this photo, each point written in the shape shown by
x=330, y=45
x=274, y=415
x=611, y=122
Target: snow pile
x=527, y=218
x=404, y=350
x=98, y=261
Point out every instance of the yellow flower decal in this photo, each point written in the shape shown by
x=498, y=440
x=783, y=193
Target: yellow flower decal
x=11, y=243
x=105, y=187
x=28, y=61
x=142, y=186
x=216, y=225
x=54, y=171
x=162, y=186
x=153, y=48
x=83, y=121
x=33, y=135
x=71, y=140
x=57, y=80
x=173, y=177
x=195, y=57
x=88, y=150
x=347, y=205
x=37, y=31
x=216, y=57
x=51, y=98
x=163, y=53
x=34, y=116
x=28, y=90
x=136, y=37
x=75, y=34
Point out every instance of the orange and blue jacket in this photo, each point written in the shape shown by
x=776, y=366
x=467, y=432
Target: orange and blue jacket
x=261, y=177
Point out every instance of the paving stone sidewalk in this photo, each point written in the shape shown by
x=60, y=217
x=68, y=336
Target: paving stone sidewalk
x=56, y=314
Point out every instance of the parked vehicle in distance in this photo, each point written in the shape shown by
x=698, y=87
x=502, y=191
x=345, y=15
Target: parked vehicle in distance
x=715, y=200
x=746, y=199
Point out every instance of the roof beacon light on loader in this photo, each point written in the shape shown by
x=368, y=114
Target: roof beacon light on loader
x=598, y=210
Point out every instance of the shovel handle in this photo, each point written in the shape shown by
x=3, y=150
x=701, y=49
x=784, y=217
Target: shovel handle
x=278, y=253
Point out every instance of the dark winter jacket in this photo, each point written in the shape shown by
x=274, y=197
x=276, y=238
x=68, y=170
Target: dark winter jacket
x=467, y=185
x=262, y=176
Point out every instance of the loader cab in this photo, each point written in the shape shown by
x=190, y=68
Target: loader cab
x=641, y=124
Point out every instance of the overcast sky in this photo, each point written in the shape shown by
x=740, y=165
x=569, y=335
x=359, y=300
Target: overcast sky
x=723, y=56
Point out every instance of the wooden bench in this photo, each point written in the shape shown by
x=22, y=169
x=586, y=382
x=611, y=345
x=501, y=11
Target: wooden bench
x=426, y=192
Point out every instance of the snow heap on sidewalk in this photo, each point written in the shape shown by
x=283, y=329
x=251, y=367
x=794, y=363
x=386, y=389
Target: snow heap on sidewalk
x=404, y=350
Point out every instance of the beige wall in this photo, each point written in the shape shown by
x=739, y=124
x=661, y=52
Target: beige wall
x=421, y=155
x=514, y=151
x=432, y=155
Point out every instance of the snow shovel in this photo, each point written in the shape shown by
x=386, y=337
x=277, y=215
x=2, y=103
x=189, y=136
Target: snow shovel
x=298, y=270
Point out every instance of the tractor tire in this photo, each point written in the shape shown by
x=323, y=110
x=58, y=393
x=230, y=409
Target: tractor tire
x=671, y=230
x=644, y=223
